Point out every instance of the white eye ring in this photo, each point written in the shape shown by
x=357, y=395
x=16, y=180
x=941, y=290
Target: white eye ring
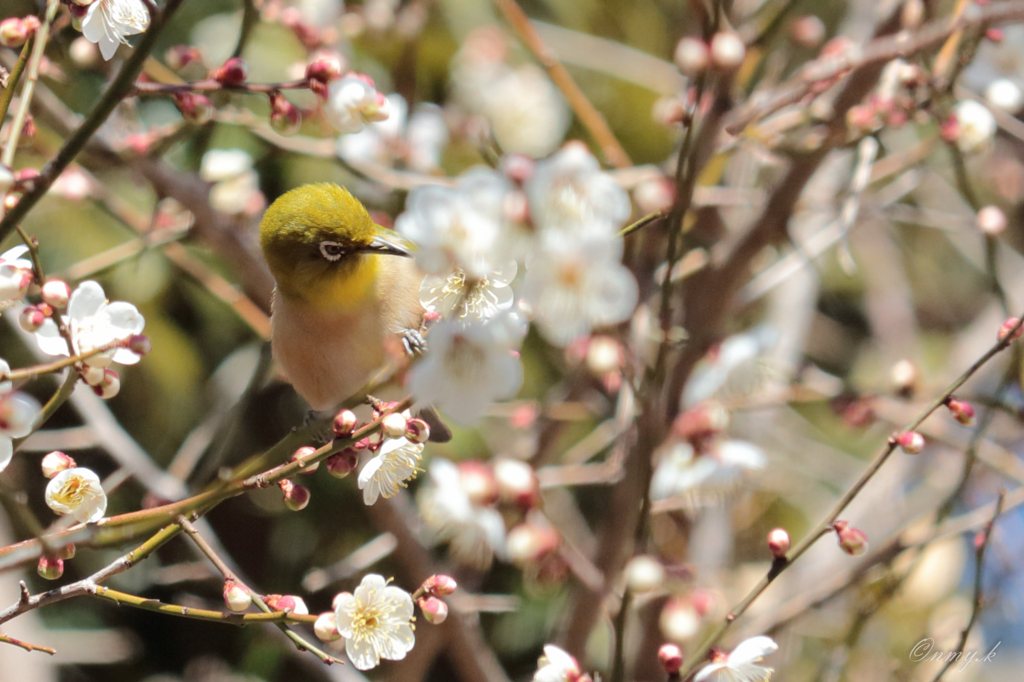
x=332, y=251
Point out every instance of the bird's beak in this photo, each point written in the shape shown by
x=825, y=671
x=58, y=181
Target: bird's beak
x=392, y=246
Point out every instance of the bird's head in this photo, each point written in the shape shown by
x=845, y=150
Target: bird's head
x=322, y=245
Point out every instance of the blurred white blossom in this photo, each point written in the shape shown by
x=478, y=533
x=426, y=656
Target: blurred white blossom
x=375, y=621
x=468, y=366
x=107, y=22
x=474, y=533
x=681, y=473
x=569, y=192
x=353, y=102
x=741, y=665
x=576, y=284
x=15, y=274
x=459, y=227
x=482, y=298
x=94, y=322
x=556, y=665
x=417, y=140
x=976, y=127
x=77, y=492
x=17, y=413
x=1004, y=94
x=236, y=182
x=396, y=463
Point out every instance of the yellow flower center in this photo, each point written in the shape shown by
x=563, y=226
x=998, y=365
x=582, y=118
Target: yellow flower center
x=74, y=492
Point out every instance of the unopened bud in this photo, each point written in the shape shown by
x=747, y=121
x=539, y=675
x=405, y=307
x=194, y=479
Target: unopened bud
x=56, y=292
x=439, y=585
x=236, y=597
x=285, y=118
x=140, y=344
x=180, y=56
x=67, y=552
x=670, y=657
x=961, y=411
x=911, y=442
x=302, y=454
x=287, y=602
x=93, y=376
x=393, y=425
x=196, y=109
x=343, y=463
x=527, y=543
x=434, y=610
x=518, y=167
x=478, y=482
x=296, y=497
x=338, y=597
x=417, y=431
x=644, y=573
x=991, y=221
x=852, y=540
x=324, y=69
x=109, y=386
x=692, y=56
x=517, y=483
x=807, y=31
x=13, y=32
x=679, y=620
x=778, y=542
x=727, y=51
x=344, y=423
x=56, y=462
x=326, y=627
x=1008, y=327
x=50, y=568
x=903, y=376
x=31, y=318
x=232, y=72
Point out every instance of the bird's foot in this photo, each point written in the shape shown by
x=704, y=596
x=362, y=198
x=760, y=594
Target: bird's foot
x=414, y=342
x=321, y=436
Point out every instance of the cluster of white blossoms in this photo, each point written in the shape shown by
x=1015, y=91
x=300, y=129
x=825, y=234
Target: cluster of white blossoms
x=236, y=184
x=472, y=238
x=18, y=412
x=416, y=140
x=353, y=102
x=107, y=22
x=376, y=622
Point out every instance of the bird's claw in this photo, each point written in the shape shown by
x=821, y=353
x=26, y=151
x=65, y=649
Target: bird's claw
x=414, y=342
x=319, y=436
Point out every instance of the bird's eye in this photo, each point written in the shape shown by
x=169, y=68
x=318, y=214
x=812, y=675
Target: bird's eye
x=332, y=251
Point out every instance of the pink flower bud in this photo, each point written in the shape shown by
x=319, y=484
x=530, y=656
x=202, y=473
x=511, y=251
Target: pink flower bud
x=67, y=552
x=439, y=585
x=236, y=597
x=56, y=292
x=196, y=109
x=434, y=610
x=56, y=462
x=140, y=344
x=343, y=463
x=727, y=51
x=345, y=423
x=324, y=69
x=991, y=221
x=527, y=543
x=304, y=453
x=692, y=56
x=852, y=540
x=93, y=376
x=703, y=601
x=78, y=11
x=393, y=425
x=807, y=31
x=285, y=118
x=518, y=167
x=13, y=32
x=50, y=568
x=180, y=56
x=232, y=72
x=286, y=602
x=31, y=318
x=1004, y=331
x=296, y=497
x=109, y=386
x=911, y=442
x=417, y=431
x=961, y=411
x=670, y=657
x=326, y=627
x=478, y=482
x=517, y=483
x=32, y=24
x=995, y=34
x=778, y=542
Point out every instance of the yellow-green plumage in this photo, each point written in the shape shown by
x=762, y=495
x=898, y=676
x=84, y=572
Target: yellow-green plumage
x=331, y=319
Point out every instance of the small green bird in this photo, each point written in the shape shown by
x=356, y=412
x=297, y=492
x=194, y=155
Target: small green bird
x=341, y=293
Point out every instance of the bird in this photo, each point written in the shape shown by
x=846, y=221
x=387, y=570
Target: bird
x=346, y=288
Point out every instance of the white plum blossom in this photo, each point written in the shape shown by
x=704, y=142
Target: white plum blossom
x=468, y=366
x=459, y=227
x=94, y=322
x=741, y=665
x=353, y=102
x=77, y=492
x=1006, y=95
x=569, y=192
x=235, y=180
x=474, y=533
x=556, y=665
x=481, y=298
x=17, y=413
x=396, y=462
x=976, y=126
x=375, y=621
x=681, y=473
x=107, y=22
x=576, y=284
x=418, y=140
x=15, y=274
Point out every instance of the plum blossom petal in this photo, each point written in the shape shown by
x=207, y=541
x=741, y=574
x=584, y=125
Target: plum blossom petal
x=376, y=622
x=395, y=464
x=107, y=22
x=78, y=492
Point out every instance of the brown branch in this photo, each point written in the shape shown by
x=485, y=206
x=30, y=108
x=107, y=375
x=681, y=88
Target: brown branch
x=144, y=89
